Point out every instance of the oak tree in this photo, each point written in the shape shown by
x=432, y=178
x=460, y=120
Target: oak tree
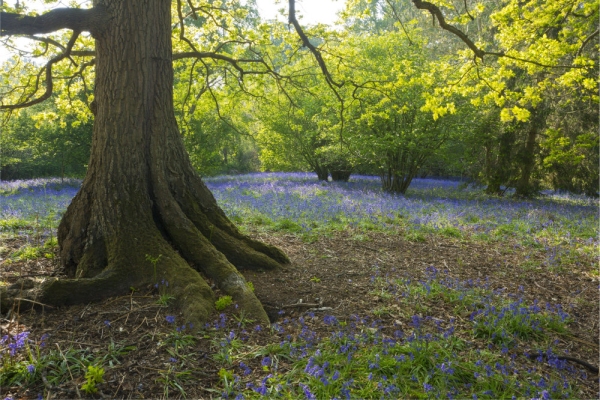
x=141, y=199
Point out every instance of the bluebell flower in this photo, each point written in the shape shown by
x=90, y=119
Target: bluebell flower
x=307, y=392
x=170, y=318
x=266, y=361
x=247, y=370
x=262, y=389
x=336, y=375
x=43, y=339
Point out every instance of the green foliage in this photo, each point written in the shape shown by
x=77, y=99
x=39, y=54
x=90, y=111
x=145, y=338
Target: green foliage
x=223, y=302
x=572, y=161
x=410, y=99
x=287, y=225
x=172, y=379
x=27, y=253
x=37, y=144
x=93, y=376
x=302, y=135
x=154, y=261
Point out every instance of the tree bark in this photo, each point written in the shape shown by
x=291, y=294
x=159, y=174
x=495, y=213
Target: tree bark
x=322, y=172
x=524, y=188
x=141, y=196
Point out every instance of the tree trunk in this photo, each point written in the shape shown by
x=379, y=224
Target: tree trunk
x=322, y=173
x=340, y=170
x=141, y=197
x=339, y=175
x=500, y=172
x=523, y=187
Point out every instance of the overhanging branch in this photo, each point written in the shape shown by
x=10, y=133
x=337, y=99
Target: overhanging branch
x=479, y=53
x=437, y=14
x=48, y=81
x=233, y=61
x=92, y=20
x=306, y=42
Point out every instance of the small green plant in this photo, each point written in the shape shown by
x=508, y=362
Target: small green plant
x=179, y=339
x=226, y=348
x=227, y=379
x=223, y=302
x=250, y=286
x=27, y=253
x=173, y=379
x=93, y=376
x=382, y=311
x=164, y=299
x=153, y=261
x=315, y=279
x=242, y=319
x=51, y=243
x=451, y=231
x=287, y=224
x=415, y=237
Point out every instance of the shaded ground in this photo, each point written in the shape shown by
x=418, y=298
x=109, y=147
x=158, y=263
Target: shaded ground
x=333, y=275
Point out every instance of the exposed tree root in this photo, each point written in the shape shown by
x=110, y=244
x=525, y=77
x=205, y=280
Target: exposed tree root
x=193, y=242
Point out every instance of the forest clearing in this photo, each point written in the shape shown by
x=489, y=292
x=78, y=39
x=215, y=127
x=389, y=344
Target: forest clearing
x=200, y=199
x=443, y=292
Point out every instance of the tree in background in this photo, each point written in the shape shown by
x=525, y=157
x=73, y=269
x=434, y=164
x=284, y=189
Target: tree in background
x=38, y=144
x=389, y=129
x=290, y=136
x=299, y=125
x=525, y=59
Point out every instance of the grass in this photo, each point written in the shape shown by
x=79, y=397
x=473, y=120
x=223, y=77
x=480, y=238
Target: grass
x=425, y=357
x=297, y=203
x=423, y=339
x=363, y=357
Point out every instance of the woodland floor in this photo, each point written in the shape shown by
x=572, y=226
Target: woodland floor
x=333, y=274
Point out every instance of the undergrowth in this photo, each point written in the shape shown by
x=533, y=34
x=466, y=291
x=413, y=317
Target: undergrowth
x=439, y=338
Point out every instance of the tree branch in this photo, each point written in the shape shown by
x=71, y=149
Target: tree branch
x=292, y=20
x=93, y=20
x=437, y=14
x=207, y=54
x=48, y=80
x=397, y=17
x=585, y=42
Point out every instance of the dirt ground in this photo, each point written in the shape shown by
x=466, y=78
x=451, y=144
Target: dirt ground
x=332, y=275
